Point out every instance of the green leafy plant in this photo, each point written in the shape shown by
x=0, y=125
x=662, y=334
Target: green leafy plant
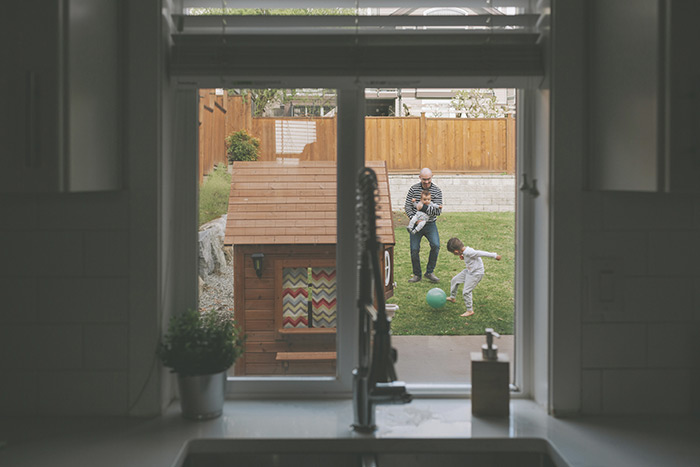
x=241, y=146
x=201, y=343
x=478, y=103
x=214, y=194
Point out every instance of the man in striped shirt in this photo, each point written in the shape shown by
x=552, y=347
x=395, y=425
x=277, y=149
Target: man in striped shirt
x=430, y=230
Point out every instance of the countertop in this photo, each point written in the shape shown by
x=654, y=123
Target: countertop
x=584, y=441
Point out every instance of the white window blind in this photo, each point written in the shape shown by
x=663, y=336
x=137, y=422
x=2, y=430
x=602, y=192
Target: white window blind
x=365, y=17
x=253, y=38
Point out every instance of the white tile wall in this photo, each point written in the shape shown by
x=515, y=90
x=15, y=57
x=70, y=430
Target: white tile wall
x=60, y=347
x=84, y=211
x=19, y=255
x=613, y=345
x=645, y=358
x=696, y=297
x=64, y=282
x=654, y=298
x=646, y=391
x=646, y=211
x=83, y=299
x=591, y=397
x=629, y=246
x=18, y=212
x=20, y=392
x=107, y=253
x=19, y=347
x=674, y=253
x=673, y=345
x=57, y=253
x=19, y=304
x=105, y=347
x=83, y=393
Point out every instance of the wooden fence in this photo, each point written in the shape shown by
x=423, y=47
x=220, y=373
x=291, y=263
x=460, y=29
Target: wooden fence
x=456, y=145
x=219, y=116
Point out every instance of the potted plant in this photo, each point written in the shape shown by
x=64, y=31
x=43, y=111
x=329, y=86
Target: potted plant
x=200, y=347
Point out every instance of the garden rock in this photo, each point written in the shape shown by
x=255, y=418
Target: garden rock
x=211, y=247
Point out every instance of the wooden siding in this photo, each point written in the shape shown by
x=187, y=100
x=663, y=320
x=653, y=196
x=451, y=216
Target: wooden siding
x=254, y=305
x=279, y=203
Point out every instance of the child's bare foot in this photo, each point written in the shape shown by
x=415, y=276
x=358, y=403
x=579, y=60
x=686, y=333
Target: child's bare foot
x=467, y=313
x=450, y=299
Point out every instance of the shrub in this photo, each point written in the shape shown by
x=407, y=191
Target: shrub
x=214, y=193
x=240, y=146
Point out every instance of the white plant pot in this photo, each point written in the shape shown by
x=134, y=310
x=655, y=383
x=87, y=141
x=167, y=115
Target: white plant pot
x=202, y=397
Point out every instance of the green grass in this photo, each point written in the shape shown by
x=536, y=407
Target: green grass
x=213, y=194
x=493, y=297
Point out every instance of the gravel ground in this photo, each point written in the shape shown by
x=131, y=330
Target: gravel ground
x=217, y=291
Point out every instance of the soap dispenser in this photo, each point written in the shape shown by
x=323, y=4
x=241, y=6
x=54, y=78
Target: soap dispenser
x=490, y=374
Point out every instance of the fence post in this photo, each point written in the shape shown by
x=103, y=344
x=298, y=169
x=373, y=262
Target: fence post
x=423, y=140
x=248, y=110
x=510, y=145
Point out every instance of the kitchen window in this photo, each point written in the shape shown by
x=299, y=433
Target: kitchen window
x=350, y=63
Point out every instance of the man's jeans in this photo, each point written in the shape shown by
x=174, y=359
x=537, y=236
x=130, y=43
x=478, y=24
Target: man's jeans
x=430, y=232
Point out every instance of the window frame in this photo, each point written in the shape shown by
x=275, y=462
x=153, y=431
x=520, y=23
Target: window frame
x=350, y=158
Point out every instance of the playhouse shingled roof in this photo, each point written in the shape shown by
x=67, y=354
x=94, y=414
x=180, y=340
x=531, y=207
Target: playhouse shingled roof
x=293, y=203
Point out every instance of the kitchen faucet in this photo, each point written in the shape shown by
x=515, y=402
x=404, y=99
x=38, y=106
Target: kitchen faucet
x=374, y=380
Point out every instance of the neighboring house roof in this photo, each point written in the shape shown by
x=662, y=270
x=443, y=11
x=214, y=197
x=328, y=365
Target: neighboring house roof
x=294, y=203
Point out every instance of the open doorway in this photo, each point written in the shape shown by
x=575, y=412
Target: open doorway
x=467, y=138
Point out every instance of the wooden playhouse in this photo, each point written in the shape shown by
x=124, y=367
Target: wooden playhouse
x=282, y=216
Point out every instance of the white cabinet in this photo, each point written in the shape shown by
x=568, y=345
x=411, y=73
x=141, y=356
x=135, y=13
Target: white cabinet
x=60, y=125
x=642, y=96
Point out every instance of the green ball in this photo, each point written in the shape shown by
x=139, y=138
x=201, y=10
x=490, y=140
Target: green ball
x=436, y=297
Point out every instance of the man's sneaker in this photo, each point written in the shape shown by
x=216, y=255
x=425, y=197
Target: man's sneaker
x=432, y=277
x=414, y=279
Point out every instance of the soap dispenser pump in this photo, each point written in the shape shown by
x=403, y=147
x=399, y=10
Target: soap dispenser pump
x=490, y=373
x=488, y=350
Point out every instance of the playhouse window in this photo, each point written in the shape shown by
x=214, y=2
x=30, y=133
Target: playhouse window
x=306, y=298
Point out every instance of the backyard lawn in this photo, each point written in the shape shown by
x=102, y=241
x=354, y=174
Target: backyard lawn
x=493, y=297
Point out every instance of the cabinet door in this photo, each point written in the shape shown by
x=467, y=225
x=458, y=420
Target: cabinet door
x=683, y=143
x=29, y=133
x=60, y=125
x=93, y=111
x=625, y=145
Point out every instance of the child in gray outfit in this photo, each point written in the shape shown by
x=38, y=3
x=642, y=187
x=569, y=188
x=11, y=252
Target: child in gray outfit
x=471, y=275
x=419, y=218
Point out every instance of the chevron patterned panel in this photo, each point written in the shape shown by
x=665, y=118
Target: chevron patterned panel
x=295, y=297
x=323, y=301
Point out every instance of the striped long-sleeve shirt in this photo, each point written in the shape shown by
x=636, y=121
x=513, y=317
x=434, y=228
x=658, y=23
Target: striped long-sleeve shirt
x=435, y=197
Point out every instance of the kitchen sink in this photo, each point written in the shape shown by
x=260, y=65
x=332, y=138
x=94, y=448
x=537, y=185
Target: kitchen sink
x=370, y=452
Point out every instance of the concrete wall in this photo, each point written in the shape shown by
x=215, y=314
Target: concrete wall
x=461, y=193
